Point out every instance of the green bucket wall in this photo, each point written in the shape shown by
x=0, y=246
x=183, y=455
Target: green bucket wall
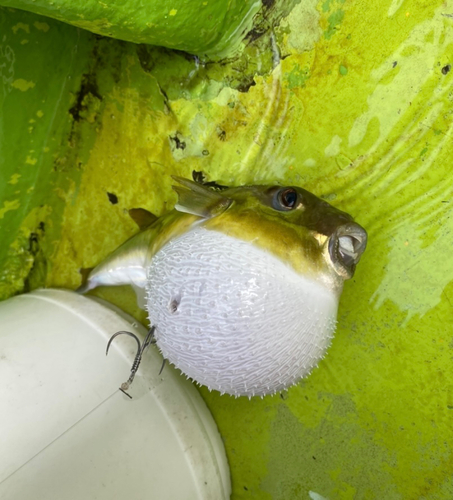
x=351, y=100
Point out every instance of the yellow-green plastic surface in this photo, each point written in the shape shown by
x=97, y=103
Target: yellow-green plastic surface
x=351, y=100
x=197, y=26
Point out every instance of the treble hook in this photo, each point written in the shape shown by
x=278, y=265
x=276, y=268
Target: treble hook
x=138, y=357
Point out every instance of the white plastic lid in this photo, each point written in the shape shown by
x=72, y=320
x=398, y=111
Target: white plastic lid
x=67, y=432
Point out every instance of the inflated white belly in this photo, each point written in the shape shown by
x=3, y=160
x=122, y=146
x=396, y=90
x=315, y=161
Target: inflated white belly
x=235, y=318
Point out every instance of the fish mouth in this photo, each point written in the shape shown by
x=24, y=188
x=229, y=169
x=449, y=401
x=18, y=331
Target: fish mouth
x=346, y=245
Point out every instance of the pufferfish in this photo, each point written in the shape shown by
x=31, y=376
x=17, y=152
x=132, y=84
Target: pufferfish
x=241, y=284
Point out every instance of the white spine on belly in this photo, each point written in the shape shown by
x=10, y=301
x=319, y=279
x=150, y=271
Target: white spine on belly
x=235, y=318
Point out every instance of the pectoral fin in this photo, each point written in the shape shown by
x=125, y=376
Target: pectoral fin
x=199, y=200
x=125, y=266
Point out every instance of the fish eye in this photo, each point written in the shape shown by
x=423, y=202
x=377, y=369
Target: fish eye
x=285, y=199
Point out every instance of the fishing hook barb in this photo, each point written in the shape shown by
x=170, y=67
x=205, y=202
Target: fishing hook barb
x=138, y=357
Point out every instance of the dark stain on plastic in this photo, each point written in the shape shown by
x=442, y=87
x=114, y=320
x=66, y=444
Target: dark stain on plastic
x=245, y=86
x=113, y=198
x=268, y=3
x=88, y=86
x=179, y=144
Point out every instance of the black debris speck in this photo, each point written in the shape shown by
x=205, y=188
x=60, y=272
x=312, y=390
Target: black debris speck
x=112, y=198
x=178, y=142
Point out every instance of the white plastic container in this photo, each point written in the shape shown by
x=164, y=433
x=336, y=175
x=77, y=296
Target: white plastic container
x=67, y=432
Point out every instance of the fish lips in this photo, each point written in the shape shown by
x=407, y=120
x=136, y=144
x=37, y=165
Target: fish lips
x=345, y=247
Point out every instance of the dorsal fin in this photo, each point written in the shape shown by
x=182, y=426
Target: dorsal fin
x=142, y=217
x=199, y=200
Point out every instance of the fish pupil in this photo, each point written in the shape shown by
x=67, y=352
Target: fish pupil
x=289, y=198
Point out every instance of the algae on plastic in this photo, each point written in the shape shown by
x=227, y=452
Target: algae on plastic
x=352, y=101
